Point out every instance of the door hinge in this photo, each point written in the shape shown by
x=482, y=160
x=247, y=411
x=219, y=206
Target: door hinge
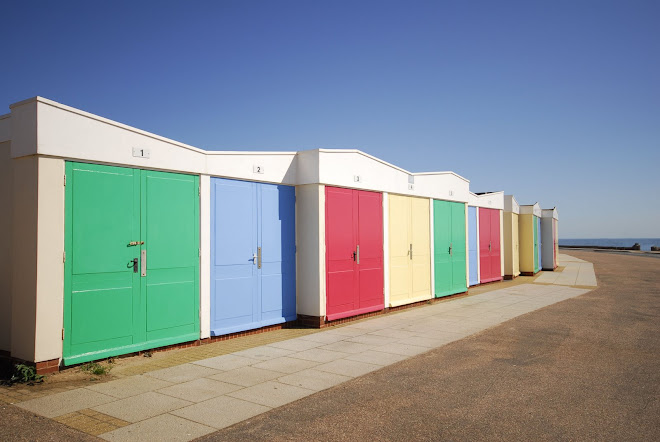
x=64, y=256
x=199, y=252
x=199, y=191
x=65, y=180
x=63, y=334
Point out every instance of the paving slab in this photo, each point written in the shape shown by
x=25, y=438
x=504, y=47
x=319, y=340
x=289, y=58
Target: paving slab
x=221, y=412
x=376, y=357
x=263, y=353
x=402, y=349
x=319, y=355
x=142, y=406
x=348, y=368
x=165, y=427
x=226, y=362
x=271, y=394
x=66, y=402
x=182, y=373
x=347, y=347
x=314, y=379
x=296, y=344
x=286, y=364
x=199, y=390
x=246, y=376
x=130, y=386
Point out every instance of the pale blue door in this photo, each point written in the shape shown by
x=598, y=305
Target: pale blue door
x=473, y=245
x=277, y=239
x=252, y=255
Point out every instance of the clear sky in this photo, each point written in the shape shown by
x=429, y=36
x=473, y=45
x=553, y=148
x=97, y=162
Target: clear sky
x=554, y=101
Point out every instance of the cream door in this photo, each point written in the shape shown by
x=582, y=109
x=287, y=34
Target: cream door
x=421, y=249
x=399, y=249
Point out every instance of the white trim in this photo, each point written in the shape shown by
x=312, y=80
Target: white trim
x=205, y=258
x=432, y=245
x=386, y=250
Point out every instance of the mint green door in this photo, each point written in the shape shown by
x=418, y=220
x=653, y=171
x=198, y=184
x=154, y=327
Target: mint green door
x=132, y=260
x=449, y=248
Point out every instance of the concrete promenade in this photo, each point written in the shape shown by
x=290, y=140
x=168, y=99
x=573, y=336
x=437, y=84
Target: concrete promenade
x=265, y=384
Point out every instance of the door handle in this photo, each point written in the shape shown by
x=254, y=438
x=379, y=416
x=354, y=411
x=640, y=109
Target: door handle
x=135, y=265
x=410, y=251
x=254, y=258
x=143, y=254
x=490, y=246
x=354, y=255
x=358, y=254
x=451, y=253
x=258, y=257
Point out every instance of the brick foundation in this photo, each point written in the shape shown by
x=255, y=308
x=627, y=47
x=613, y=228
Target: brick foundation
x=321, y=322
x=53, y=366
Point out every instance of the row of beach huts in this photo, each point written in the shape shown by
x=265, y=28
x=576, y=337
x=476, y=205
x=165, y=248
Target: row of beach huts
x=115, y=240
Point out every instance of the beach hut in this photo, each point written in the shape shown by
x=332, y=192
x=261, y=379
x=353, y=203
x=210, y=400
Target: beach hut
x=118, y=240
x=491, y=260
x=125, y=238
x=511, y=238
x=529, y=234
x=405, y=224
x=550, y=240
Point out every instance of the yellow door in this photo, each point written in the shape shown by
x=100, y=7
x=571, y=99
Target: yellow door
x=526, y=235
x=421, y=250
x=516, y=245
x=399, y=249
x=409, y=249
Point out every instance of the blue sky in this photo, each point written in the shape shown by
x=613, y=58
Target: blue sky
x=553, y=101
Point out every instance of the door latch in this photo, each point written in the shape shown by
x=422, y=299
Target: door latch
x=258, y=257
x=144, y=262
x=358, y=254
x=410, y=251
x=135, y=243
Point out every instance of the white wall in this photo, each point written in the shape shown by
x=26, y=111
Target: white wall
x=510, y=204
x=355, y=169
x=6, y=184
x=533, y=209
x=205, y=256
x=5, y=128
x=50, y=266
x=310, y=250
x=24, y=257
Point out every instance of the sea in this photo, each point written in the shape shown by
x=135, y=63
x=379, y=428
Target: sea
x=646, y=243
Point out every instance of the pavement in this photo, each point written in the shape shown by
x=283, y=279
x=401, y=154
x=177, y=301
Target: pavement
x=484, y=366
x=576, y=272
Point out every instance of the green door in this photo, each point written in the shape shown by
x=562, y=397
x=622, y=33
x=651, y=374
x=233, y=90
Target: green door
x=113, y=304
x=449, y=248
x=536, y=244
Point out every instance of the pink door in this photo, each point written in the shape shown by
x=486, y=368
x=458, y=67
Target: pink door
x=354, y=252
x=485, y=242
x=495, y=252
x=489, y=245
